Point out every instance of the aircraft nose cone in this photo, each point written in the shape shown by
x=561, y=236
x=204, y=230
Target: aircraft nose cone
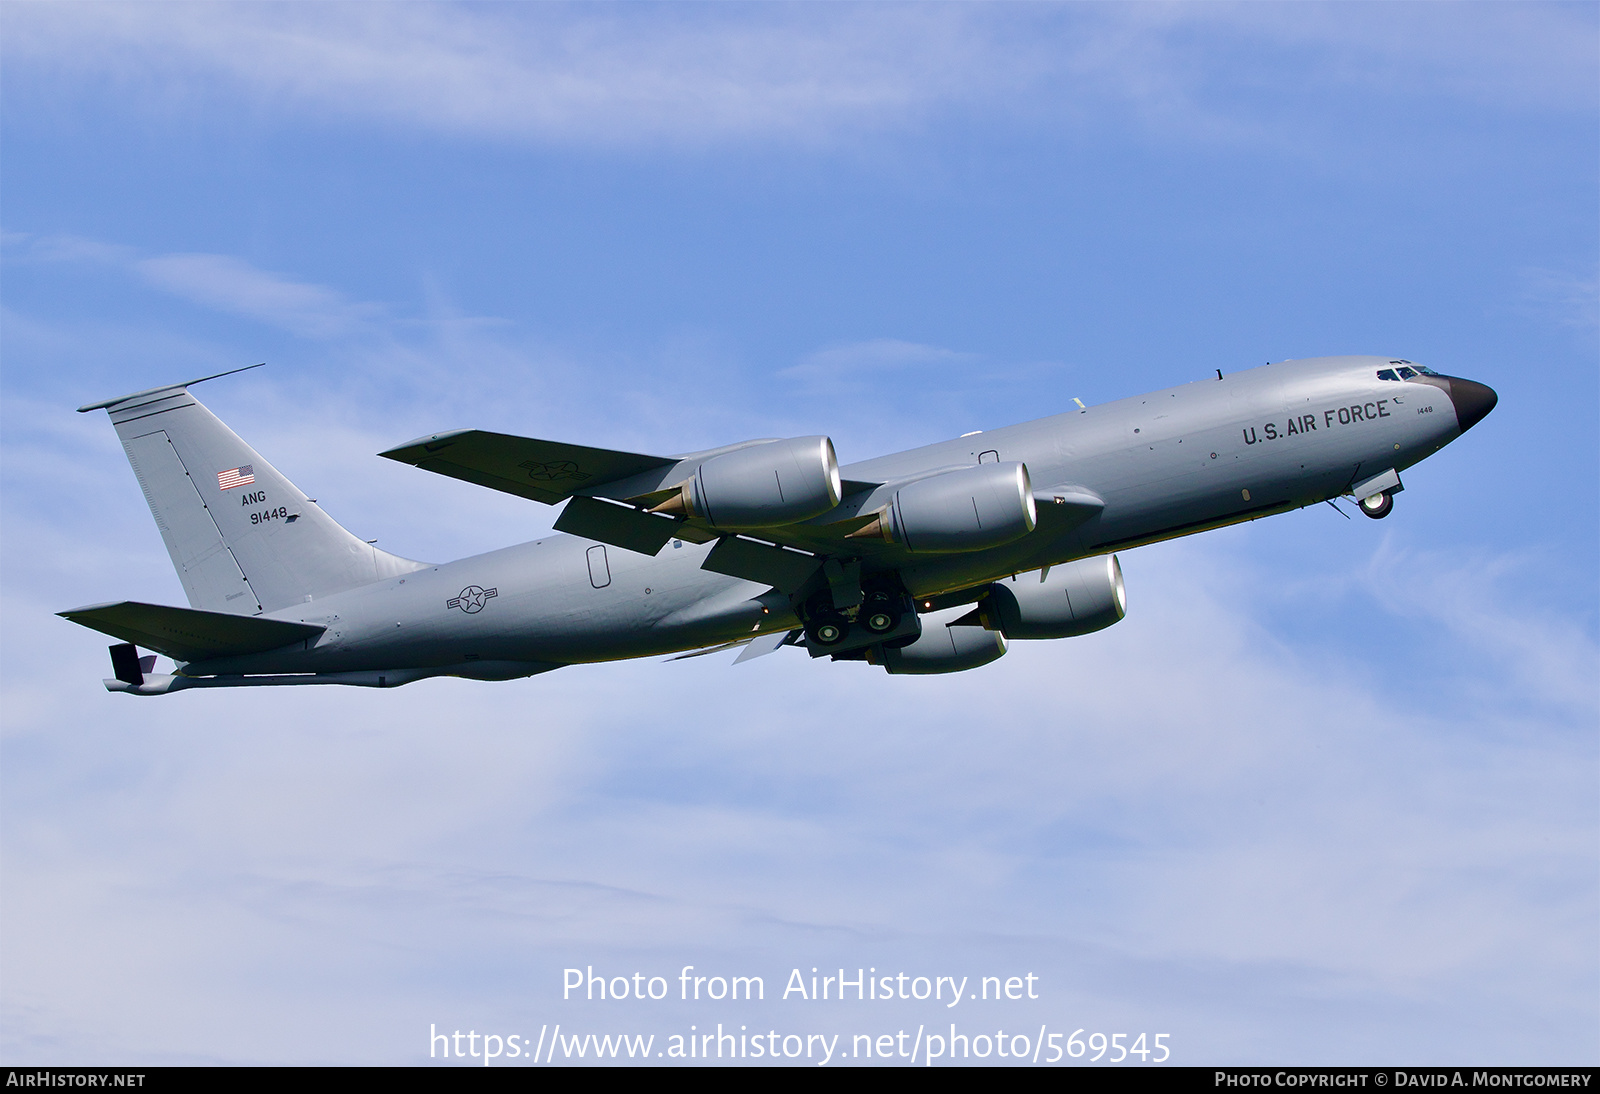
x=1472, y=400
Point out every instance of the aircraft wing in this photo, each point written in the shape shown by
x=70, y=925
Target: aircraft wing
x=547, y=471
x=610, y=496
x=186, y=634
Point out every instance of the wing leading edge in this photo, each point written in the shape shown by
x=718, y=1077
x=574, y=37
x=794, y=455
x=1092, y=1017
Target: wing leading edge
x=547, y=471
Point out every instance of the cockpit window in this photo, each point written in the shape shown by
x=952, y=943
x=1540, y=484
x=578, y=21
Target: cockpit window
x=1425, y=370
x=1406, y=373
x=1387, y=374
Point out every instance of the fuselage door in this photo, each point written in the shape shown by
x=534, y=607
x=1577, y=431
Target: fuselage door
x=599, y=569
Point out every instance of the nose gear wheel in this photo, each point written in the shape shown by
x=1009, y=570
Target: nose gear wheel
x=1377, y=506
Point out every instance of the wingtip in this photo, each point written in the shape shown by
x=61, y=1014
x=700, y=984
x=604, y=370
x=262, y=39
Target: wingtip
x=70, y=612
x=400, y=452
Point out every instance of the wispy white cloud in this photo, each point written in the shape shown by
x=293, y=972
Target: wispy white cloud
x=1569, y=299
x=584, y=74
x=856, y=363
x=232, y=285
x=1507, y=55
x=1187, y=790
x=1182, y=792
x=686, y=75
x=67, y=248
x=222, y=283
x=1550, y=657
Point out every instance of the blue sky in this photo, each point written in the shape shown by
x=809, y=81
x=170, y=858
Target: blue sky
x=1328, y=794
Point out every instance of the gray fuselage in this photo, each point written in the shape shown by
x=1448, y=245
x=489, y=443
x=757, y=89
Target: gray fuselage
x=1171, y=463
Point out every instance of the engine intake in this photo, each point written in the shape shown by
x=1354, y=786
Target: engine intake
x=762, y=486
x=1077, y=598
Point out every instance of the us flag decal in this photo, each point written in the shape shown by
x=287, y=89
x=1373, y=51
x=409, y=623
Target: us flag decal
x=239, y=476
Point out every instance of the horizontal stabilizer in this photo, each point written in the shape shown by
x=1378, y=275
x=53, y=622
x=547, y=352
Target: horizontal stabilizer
x=186, y=634
x=547, y=471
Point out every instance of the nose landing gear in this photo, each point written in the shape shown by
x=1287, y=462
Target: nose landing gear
x=1377, y=506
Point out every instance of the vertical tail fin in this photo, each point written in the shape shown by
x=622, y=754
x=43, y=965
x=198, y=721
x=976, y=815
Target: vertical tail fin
x=244, y=539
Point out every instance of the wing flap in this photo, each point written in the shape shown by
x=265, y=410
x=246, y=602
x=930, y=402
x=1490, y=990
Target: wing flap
x=765, y=644
x=619, y=525
x=783, y=569
x=187, y=634
x=547, y=471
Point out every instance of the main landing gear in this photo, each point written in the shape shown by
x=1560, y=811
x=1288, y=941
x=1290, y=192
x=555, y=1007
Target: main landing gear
x=1377, y=506
x=885, y=616
x=826, y=627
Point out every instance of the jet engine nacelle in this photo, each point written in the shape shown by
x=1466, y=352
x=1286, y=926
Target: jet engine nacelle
x=763, y=486
x=971, y=509
x=942, y=648
x=1077, y=598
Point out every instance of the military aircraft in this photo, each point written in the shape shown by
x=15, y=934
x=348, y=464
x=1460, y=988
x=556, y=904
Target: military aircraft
x=927, y=561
